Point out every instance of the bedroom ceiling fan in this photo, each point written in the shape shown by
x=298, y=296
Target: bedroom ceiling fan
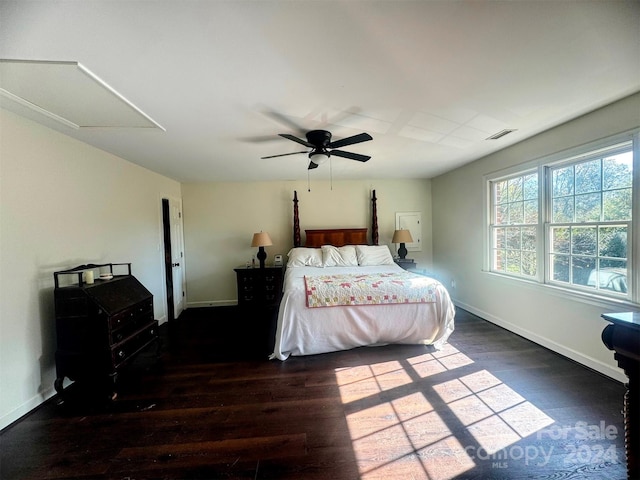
x=319, y=141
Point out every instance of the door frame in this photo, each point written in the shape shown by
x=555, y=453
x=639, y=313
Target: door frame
x=165, y=209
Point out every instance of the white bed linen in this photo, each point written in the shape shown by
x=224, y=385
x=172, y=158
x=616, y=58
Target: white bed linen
x=307, y=331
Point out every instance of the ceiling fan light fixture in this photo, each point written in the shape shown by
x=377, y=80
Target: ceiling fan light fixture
x=318, y=157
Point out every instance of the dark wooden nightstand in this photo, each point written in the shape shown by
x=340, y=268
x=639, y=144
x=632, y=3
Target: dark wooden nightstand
x=406, y=263
x=259, y=287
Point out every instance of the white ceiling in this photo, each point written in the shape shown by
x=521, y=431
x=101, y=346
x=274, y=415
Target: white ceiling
x=429, y=80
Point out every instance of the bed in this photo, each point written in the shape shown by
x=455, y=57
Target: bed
x=342, y=291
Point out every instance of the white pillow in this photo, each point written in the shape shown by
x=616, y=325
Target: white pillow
x=369, y=255
x=339, y=256
x=304, y=257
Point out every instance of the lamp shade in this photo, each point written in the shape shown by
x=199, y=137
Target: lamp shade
x=261, y=239
x=402, y=236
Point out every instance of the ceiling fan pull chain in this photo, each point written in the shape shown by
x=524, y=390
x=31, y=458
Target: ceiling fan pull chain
x=331, y=172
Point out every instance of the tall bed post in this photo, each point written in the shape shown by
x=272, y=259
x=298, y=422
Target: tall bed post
x=374, y=219
x=296, y=221
x=297, y=241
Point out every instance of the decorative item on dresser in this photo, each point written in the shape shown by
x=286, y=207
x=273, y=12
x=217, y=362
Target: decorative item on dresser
x=259, y=287
x=102, y=323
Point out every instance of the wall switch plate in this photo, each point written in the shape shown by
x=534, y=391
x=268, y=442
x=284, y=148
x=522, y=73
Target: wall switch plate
x=277, y=260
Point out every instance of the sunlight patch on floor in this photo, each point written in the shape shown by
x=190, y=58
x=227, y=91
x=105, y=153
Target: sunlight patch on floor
x=493, y=413
x=401, y=423
x=363, y=381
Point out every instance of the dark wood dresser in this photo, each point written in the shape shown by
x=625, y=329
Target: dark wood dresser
x=622, y=336
x=100, y=326
x=259, y=287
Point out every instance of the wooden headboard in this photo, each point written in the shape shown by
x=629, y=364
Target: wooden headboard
x=335, y=236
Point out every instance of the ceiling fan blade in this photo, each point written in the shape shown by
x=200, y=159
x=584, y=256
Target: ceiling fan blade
x=296, y=139
x=312, y=166
x=361, y=137
x=284, y=120
x=258, y=139
x=282, y=155
x=350, y=156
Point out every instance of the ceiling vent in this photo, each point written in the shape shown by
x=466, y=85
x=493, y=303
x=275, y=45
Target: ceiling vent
x=501, y=133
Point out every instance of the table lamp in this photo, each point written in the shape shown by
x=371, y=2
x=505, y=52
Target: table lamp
x=261, y=240
x=402, y=237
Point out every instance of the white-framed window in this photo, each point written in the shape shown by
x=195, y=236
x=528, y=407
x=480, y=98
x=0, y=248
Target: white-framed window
x=568, y=220
x=514, y=224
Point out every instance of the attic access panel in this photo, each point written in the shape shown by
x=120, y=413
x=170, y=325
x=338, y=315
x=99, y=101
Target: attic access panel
x=411, y=221
x=69, y=93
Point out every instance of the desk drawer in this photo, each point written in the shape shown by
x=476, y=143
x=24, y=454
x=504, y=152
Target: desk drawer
x=123, y=351
x=130, y=315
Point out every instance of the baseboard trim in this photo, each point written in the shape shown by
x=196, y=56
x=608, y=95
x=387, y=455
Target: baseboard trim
x=589, y=362
x=26, y=408
x=213, y=303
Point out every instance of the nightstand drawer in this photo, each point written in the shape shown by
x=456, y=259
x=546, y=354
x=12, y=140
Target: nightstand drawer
x=259, y=286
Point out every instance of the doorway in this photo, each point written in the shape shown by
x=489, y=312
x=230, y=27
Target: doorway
x=173, y=257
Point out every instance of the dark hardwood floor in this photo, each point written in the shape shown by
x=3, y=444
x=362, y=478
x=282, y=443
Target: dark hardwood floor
x=491, y=405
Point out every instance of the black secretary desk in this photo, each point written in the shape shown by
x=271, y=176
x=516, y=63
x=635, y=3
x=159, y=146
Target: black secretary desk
x=102, y=322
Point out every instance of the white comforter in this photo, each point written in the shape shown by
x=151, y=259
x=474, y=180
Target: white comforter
x=306, y=331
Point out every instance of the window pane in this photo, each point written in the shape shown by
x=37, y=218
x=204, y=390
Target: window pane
x=560, y=266
x=531, y=187
x=499, y=238
x=562, y=181
x=529, y=264
x=562, y=210
x=581, y=269
x=588, y=207
x=588, y=177
x=515, y=189
x=516, y=212
x=513, y=238
x=502, y=214
x=616, y=205
x=584, y=240
x=499, y=260
x=500, y=189
x=529, y=239
x=531, y=211
x=618, y=171
x=613, y=242
x=513, y=261
x=613, y=277
x=561, y=240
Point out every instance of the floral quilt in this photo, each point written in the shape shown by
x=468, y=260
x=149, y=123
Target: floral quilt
x=368, y=289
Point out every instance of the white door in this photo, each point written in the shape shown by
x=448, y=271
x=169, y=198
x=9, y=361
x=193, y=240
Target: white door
x=177, y=256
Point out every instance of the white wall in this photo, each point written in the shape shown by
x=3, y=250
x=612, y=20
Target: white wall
x=547, y=317
x=63, y=203
x=220, y=219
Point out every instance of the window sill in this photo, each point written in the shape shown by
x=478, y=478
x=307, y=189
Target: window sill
x=606, y=303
